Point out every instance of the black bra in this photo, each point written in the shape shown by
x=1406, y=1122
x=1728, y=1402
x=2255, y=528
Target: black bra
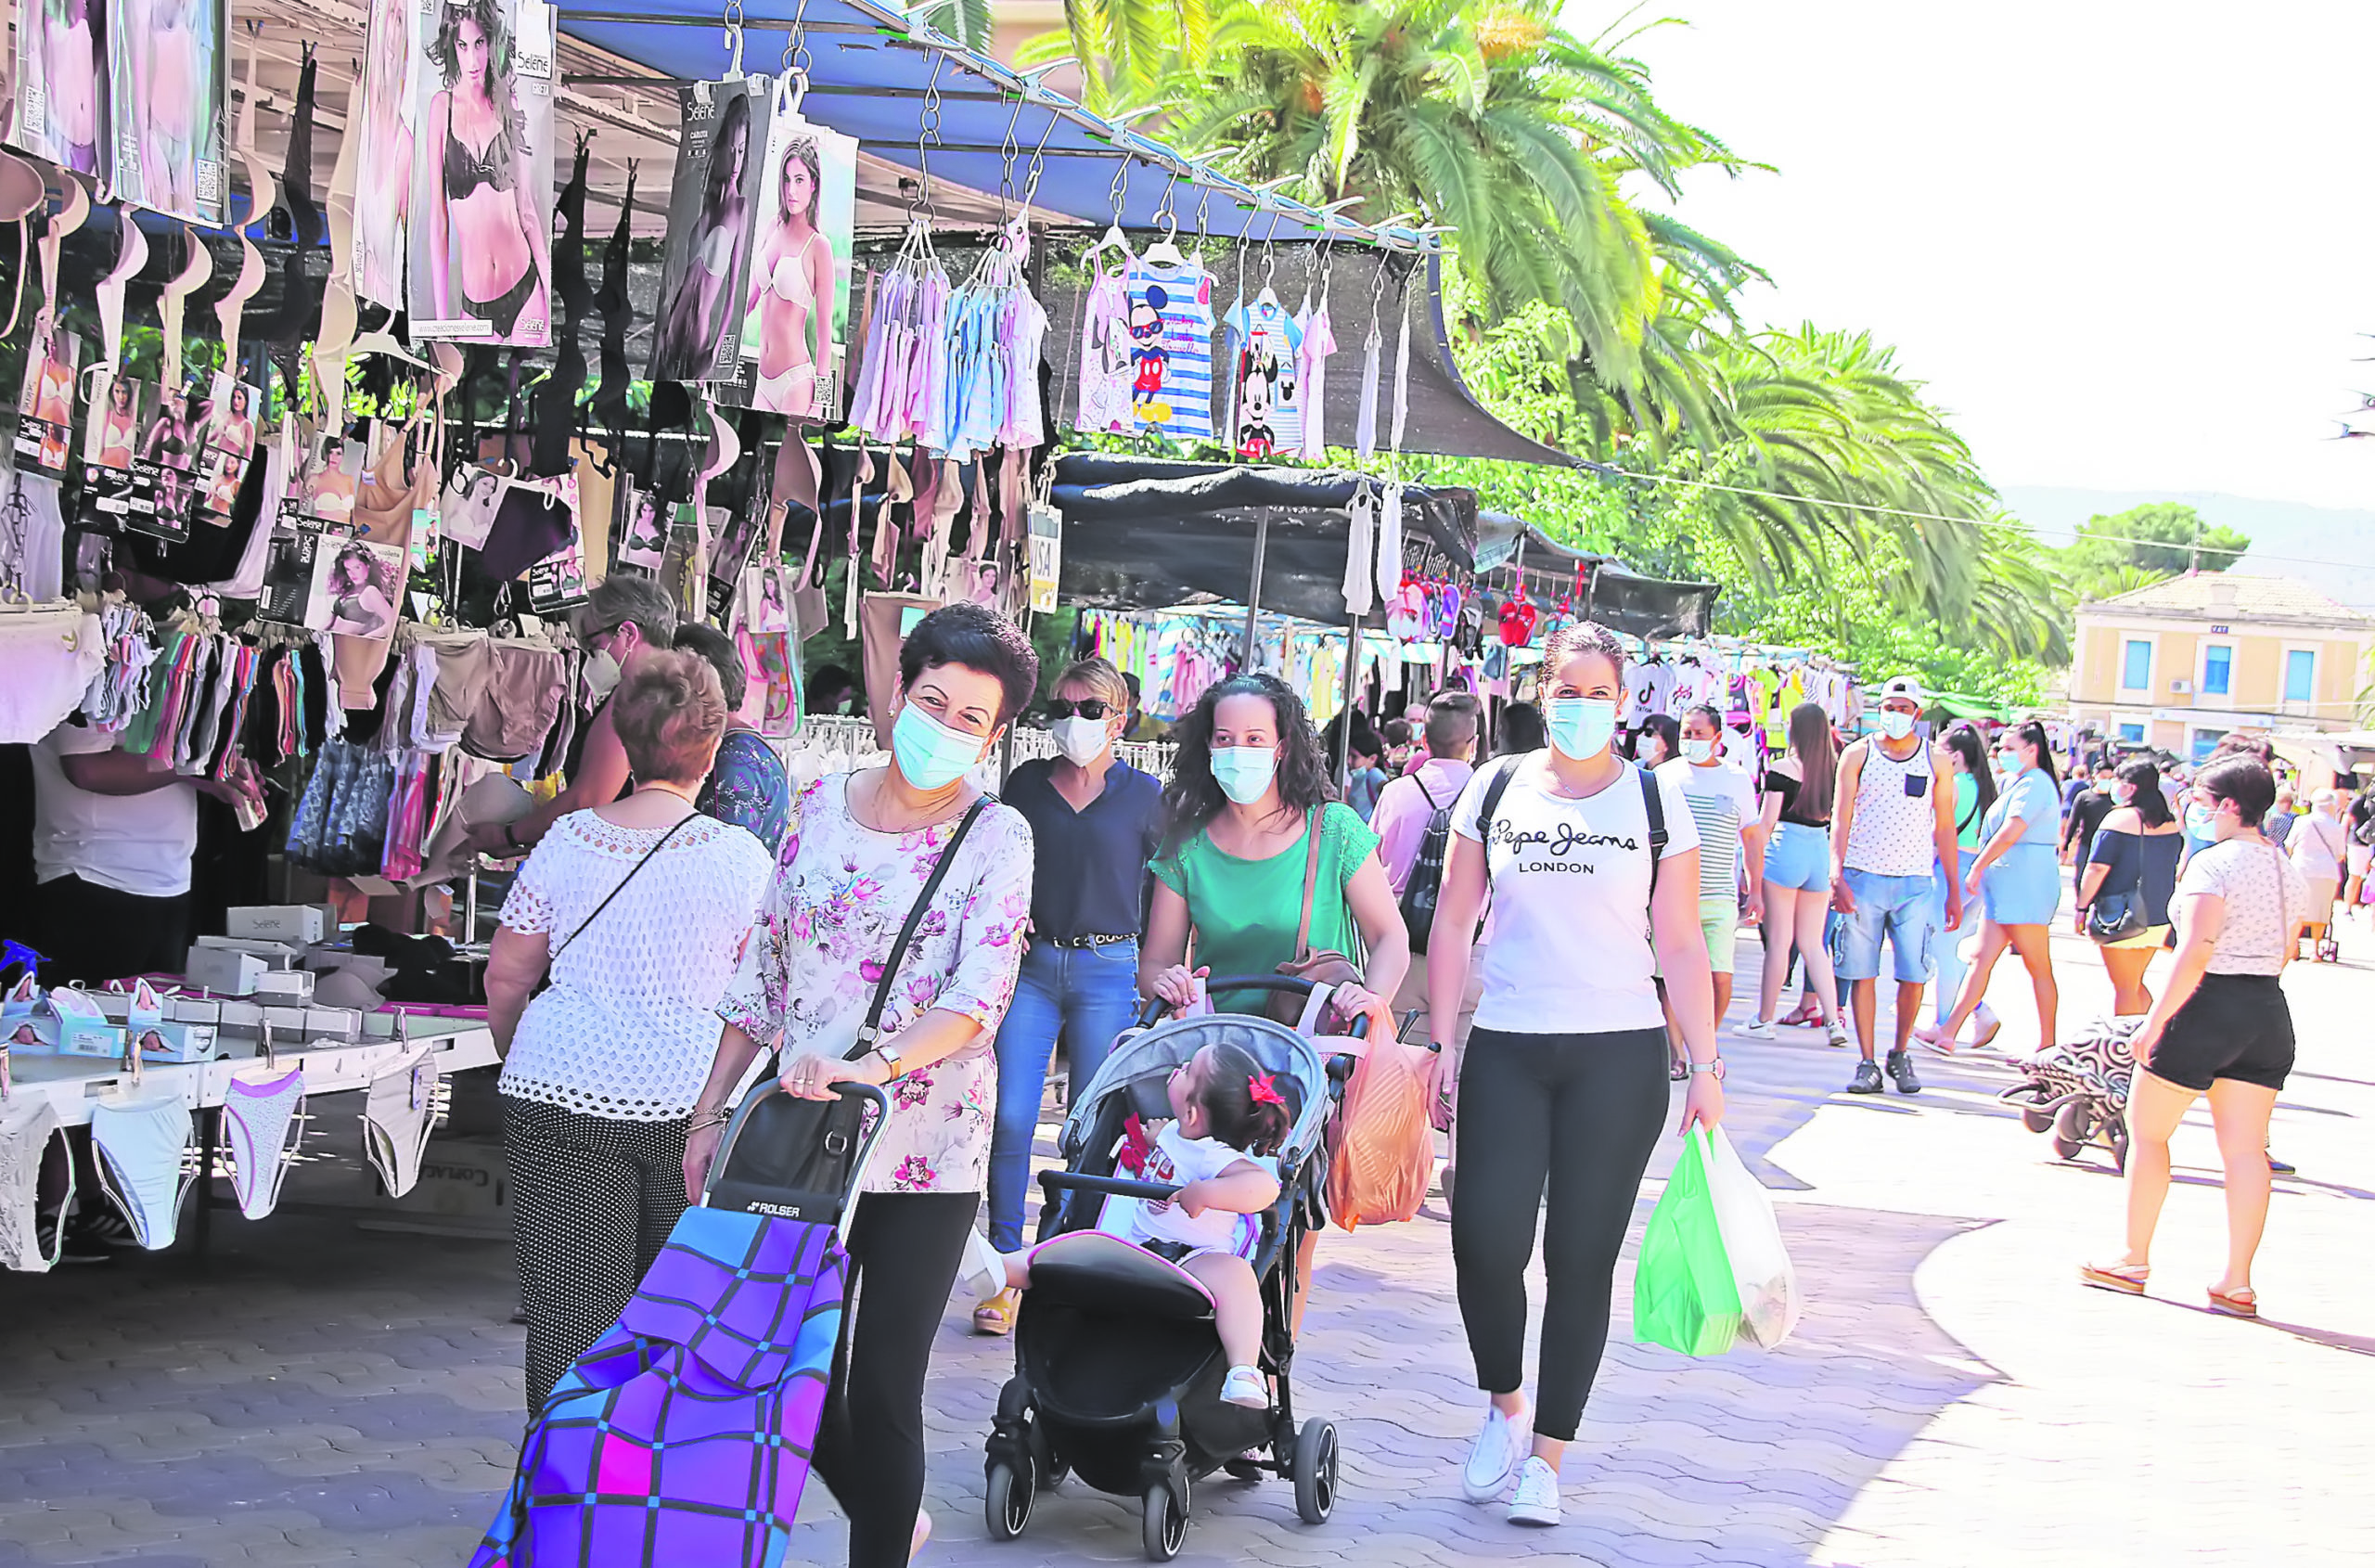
x=466, y=171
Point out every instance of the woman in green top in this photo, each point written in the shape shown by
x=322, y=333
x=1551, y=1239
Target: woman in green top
x=1974, y=792
x=1248, y=787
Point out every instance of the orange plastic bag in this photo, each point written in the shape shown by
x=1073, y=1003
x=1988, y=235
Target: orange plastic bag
x=1380, y=1145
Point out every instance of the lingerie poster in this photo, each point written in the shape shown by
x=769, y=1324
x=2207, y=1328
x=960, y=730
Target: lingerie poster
x=229, y=442
x=356, y=589
x=169, y=106
x=111, y=429
x=479, y=232
x=466, y=511
x=799, y=305
x=165, y=464
x=713, y=209
x=392, y=61
x=63, y=83
x=640, y=529
x=46, y=402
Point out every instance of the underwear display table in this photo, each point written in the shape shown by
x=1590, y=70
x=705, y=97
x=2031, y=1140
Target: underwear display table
x=73, y=1083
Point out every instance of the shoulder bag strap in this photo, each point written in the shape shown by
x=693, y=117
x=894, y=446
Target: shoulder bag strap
x=872, y=1030
x=1494, y=791
x=1654, y=807
x=614, y=893
x=1310, y=882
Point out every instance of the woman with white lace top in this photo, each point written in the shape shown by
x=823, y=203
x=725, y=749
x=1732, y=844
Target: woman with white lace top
x=639, y=910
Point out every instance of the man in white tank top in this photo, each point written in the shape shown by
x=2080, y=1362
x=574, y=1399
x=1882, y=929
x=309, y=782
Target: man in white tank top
x=1890, y=825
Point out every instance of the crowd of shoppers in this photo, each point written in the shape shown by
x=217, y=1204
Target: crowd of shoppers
x=684, y=913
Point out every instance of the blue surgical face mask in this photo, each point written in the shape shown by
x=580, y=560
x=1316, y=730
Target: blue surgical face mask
x=1244, y=772
x=931, y=755
x=1698, y=750
x=1894, y=725
x=2198, y=820
x=1580, y=727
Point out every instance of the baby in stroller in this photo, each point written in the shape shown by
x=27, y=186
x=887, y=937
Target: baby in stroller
x=1228, y=1118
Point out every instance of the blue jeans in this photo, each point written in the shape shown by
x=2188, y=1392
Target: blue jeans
x=1088, y=996
x=1947, y=945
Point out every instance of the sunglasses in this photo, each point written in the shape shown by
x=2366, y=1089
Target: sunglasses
x=1087, y=708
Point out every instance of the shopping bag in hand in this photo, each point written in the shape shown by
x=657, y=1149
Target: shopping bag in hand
x=1683, y=1293
x=1761, y=1272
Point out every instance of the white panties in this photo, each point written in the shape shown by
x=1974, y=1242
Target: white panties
x=400, y=1109
x=29, y=1236
x=262, y=1124
x=147, y=1162
x=47, y=658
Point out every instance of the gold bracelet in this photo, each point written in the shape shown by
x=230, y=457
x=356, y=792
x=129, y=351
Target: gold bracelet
x=706, y=1119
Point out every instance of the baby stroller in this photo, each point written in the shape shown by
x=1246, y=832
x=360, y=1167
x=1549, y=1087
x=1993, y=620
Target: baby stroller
x=2078, y=1091
x=1118, y=1368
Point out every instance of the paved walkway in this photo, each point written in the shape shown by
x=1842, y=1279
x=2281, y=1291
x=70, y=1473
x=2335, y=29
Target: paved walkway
x=311, y=1393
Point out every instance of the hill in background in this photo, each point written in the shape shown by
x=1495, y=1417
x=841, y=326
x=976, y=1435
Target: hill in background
x=2287, y=539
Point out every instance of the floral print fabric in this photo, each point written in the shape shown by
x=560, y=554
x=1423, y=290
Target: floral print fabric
x=842, y=891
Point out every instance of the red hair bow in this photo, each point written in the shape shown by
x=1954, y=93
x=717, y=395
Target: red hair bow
x=1265, y=1091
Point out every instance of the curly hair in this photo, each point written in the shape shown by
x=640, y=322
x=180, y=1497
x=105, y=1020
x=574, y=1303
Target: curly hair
x=1193, y=797
x=446, y=49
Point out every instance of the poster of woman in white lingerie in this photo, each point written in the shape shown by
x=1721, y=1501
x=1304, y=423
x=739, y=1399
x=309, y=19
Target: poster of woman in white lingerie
x=63, y=83
x=800, y=291
x=169, y=104
x=482, y=217
x=383, y=170
x=709, y=226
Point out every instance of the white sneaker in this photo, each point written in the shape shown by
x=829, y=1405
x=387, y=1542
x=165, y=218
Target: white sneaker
x=1495, y=1456
x=1759, y=1029
x=1839, y=1036
x=1243, y=1386
x=1538, y=1499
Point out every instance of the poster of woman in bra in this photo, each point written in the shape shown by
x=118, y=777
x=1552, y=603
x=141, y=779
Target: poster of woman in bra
x=169, y=100
x=481, y=225
x=709, y=226
x=63, y=83
x=799, y=293
x=383, y=172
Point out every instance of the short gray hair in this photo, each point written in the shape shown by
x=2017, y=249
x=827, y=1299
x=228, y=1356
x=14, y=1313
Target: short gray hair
x=620, y=598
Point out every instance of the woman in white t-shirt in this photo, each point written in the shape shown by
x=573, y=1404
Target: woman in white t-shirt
x=2222, y=1029
x=1563, y=840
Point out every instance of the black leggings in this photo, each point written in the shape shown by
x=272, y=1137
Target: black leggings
x=1579, y=1113
x=870, y=1447
x=593, y=1201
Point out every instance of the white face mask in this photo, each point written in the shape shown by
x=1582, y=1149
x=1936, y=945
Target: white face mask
x=1699, y=751
x=1894, y=725
x=1080, y=739
x=602, y=673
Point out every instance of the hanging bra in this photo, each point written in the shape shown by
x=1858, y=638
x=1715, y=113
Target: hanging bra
x=262, y=1124
x=30, y=1235
x=146, y=1162
x=466, y=171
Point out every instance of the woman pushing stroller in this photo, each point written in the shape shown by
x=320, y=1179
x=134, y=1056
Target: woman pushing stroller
x=1228, y=1118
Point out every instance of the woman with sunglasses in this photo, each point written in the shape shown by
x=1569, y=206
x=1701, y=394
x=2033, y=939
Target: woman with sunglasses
x=1096, y=821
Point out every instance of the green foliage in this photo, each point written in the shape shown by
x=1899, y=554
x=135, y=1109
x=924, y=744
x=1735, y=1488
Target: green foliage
x=2143, y=545
x=968, y=21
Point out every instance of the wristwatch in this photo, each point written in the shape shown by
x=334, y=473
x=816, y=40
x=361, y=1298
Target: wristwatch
x=891, y=1068
x=1716, y=1067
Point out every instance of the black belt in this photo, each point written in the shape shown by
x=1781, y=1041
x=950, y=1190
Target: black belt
x=1076, y=943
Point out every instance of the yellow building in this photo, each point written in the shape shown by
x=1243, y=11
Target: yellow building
x=2178, y=664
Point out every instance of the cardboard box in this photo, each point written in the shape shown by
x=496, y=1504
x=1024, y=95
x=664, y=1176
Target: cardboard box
x=224, y=971
x=241, y=1018
x=194, y=1009
x=274, y=955
x=285, y=985
x=333, y=1024
x=177, y=1042
x=277, y=922
x=287, y=1024
x=81, y=1036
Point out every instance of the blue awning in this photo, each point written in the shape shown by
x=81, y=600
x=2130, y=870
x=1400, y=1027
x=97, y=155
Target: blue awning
x=873, y=74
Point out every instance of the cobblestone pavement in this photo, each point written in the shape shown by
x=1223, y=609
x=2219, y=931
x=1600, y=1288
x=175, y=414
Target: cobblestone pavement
x=315, y=1394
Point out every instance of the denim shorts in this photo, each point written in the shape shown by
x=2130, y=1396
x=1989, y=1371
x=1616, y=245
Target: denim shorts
x=1895, y=908
x=1799, y=857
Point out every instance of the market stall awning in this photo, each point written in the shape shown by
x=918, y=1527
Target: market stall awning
x=920, y=99
x=1606, y=589
x=1144, y=533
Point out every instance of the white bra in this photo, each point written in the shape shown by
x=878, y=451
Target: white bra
x=717, y=251
x=788, y=281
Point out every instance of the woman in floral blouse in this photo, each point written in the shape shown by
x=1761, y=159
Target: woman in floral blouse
x=859, y=850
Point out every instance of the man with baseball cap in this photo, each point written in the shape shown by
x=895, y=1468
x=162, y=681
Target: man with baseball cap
x=1889, y=826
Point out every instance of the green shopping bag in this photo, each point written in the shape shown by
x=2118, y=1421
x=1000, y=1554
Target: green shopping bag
x=1684, y=1296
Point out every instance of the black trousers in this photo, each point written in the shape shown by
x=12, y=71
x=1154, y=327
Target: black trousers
x=906, y=1247
x=1576, y=1115
x=593, y=1201
x=91, y=933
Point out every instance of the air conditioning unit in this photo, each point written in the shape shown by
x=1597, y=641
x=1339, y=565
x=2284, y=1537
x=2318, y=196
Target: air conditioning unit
x=2180, y=688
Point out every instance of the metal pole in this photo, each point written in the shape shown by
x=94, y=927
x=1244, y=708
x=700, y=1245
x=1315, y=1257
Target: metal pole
x=1254, y=595
x=1351, y=691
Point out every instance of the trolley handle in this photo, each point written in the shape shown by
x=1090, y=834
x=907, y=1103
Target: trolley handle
x=1150, y=1012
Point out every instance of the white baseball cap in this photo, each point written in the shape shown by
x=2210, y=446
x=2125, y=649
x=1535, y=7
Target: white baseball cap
x=1909, y=688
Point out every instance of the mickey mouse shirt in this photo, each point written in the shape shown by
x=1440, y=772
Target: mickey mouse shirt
x=1571, y=950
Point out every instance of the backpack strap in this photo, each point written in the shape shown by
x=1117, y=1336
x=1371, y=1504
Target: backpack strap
x=1654, y=806
x=1494, y=791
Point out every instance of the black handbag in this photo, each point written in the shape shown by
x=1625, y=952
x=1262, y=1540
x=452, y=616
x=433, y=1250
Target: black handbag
x=796, y=1158
x=2115, y=917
